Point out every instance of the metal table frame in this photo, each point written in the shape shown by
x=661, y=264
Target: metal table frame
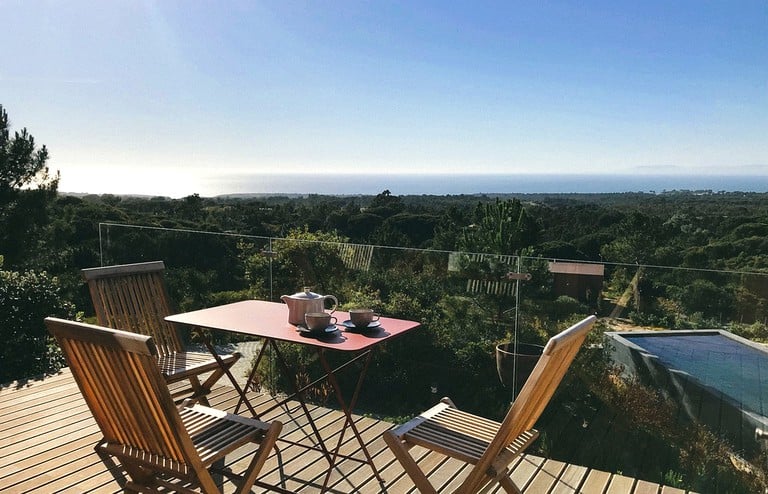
x=269, y=322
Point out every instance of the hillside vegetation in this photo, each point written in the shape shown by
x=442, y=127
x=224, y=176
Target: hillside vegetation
x=674, y=260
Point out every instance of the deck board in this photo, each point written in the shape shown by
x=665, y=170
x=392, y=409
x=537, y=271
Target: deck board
x=597, y=481
x=571, y=479
x=47, y=437
x=620, y=484
x=547, y=476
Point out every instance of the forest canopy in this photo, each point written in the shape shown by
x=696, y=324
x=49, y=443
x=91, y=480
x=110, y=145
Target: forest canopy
x=673, y=260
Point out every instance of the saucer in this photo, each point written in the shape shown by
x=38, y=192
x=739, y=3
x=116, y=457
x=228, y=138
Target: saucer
x=371, y=325
x=329, y=329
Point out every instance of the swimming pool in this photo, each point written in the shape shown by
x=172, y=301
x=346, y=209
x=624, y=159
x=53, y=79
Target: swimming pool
x=717, y=377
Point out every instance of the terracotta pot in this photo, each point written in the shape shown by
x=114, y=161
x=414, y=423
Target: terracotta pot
x=526, y=355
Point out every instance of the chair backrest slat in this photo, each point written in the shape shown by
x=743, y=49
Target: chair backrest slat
x=533, y=398
x=118, y=376
x=133, y=297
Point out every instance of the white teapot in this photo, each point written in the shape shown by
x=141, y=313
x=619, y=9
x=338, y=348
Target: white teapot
x=302, y=302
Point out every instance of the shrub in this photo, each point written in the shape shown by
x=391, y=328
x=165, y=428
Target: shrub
x=700, y=459
x=26, y=298
x=755, y=331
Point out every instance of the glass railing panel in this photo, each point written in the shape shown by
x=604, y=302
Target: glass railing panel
x=202, y=268
x=464, y=301
x=469, y=304
x=685, y=298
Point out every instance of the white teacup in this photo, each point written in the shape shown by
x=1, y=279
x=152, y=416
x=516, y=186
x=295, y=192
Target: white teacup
x=318, y=320
x=363, y=317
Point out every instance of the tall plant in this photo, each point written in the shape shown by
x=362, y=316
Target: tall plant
x=500, y=227
x=26, y=188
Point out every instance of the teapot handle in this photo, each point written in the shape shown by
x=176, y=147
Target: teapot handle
x=335, y=302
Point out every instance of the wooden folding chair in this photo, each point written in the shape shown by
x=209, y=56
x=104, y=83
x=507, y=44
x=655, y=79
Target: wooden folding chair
x=488, y=445
x=153, y=439
x=133, y=297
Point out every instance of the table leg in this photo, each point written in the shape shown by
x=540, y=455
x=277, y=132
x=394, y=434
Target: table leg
x=330, y=376
x=248, y=382
x=207, y=342
x=314, y=383
x=347, y=409
x=299, y=393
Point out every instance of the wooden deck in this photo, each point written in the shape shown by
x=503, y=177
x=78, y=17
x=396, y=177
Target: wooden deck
x=47, y=436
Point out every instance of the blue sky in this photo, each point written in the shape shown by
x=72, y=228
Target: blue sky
x=161, y=96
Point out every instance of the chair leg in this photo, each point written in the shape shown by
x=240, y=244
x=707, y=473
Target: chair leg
x=214, y=377
x=117, y=471
x=409, y=464
x=142, y=479
x=131, y=488
x=508, y=485
x=260, y=457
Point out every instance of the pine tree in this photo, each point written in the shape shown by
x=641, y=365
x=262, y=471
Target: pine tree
x=26, y=188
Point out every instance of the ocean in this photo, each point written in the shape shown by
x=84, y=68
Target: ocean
x=402, y=184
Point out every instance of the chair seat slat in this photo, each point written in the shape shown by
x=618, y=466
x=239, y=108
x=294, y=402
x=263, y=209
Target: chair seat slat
x=488, y=445
x=459, y=435
x=177, y=366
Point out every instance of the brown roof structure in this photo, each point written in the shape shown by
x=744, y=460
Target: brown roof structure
x=581, y=268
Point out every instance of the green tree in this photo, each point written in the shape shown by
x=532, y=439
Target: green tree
x=448, y=227
x=26, y=189
x=710, y=299
x=301, y=259
x=386, y=205
x=500, y=227
x=26, y=298
x=638, y=236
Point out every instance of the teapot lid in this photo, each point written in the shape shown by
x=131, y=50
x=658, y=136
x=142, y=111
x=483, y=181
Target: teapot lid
x=306, y=295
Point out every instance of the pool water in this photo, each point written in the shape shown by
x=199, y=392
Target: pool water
x=721, y=362
x=717, y=378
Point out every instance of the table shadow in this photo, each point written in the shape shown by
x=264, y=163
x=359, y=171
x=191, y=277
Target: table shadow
x=376, y=333
x=336, y=337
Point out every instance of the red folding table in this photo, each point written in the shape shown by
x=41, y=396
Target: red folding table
x=269, y=322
